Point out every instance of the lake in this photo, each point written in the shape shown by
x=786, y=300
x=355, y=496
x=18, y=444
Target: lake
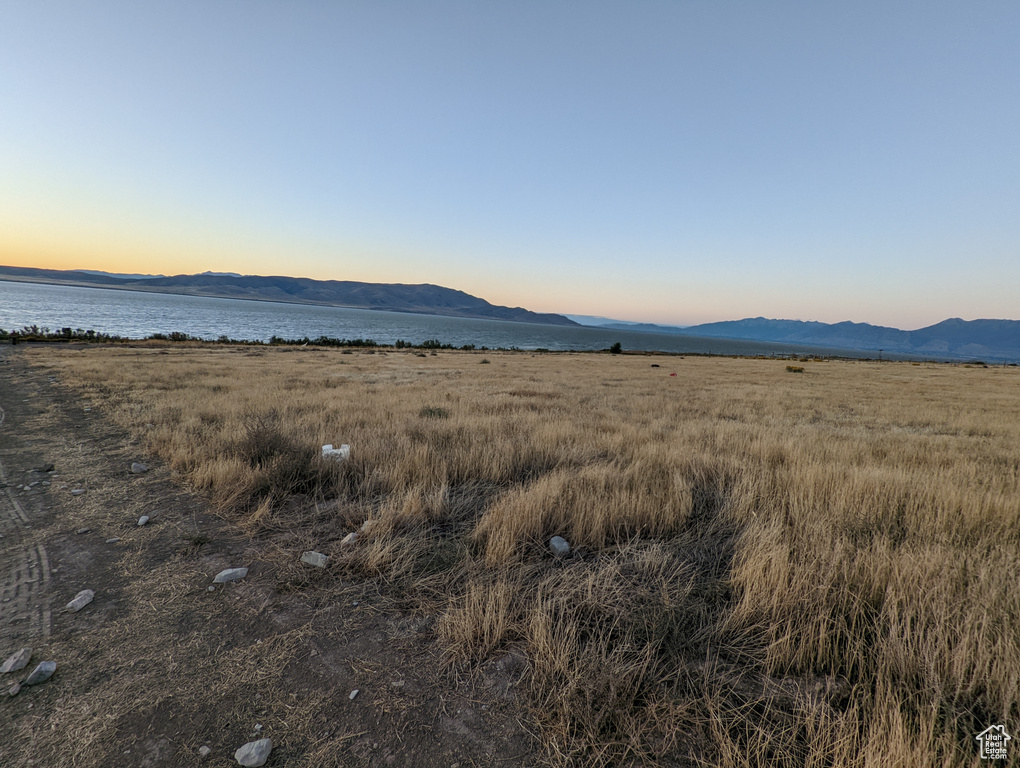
x=136, y=314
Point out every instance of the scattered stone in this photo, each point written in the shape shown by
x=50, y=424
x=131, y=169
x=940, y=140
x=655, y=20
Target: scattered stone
x=354, y=694
x=254, y=753
x=210, y=588
x=77, y=491
x=82, y=599
x=46, y=468
x=137, y=468
x=80, y=531
x=349, y=539
x=559, y=546
x=17, y=661
x=143, y=520
x=397, y=683
x=368, y=526
x=14, y=689
x=43, y=672
x=230, y=574
x=317, y=559
x=204, y=751
x=114, y=540
x=336, y=454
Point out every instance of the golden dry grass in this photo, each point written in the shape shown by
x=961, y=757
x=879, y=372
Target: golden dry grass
x=769, y=569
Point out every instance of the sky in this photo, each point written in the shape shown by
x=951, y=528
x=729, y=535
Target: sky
x=673, y=162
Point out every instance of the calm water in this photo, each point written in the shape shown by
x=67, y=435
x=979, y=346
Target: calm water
x=134, y=314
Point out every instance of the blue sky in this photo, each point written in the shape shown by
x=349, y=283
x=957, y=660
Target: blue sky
x=675, y=162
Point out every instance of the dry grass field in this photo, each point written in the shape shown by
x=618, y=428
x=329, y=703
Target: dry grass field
x=769, y=568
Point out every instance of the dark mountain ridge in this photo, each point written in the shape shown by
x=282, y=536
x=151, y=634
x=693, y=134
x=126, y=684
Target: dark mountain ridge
x=984, y=339
x=424, y=299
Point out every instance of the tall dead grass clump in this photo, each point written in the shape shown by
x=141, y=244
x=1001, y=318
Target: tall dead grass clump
x=277, y=466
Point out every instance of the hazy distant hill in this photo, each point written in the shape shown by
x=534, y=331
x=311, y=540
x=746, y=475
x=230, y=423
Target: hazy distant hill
x=425, y=299
x=645, y=327
x=955, y=338
x=974, y=339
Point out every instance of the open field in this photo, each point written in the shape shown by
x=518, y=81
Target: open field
x=769, y=568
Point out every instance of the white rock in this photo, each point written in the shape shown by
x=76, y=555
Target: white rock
x=137, y=468
x=77, y=491
x=204, y=751
x=143, y=520
x=43, y=672
x=337, y=454
x=349, y=540
x=354, y=694
x=114, y=540
x=230, y=574
x=559, y=546
x=317, y=559
x=254, y=753
x=17, y=661
x=82, y=599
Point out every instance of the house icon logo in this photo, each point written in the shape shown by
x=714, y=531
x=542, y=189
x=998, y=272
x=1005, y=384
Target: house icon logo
x=993, y=742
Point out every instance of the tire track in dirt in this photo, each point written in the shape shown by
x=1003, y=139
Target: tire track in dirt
x=10, y=512
x=25, y=613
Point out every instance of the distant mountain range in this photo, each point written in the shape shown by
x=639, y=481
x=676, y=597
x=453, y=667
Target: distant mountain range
x=423, y=299
x=954, y=338
x=990, y=340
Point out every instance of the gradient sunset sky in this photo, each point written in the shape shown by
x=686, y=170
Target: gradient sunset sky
x=674, y=162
